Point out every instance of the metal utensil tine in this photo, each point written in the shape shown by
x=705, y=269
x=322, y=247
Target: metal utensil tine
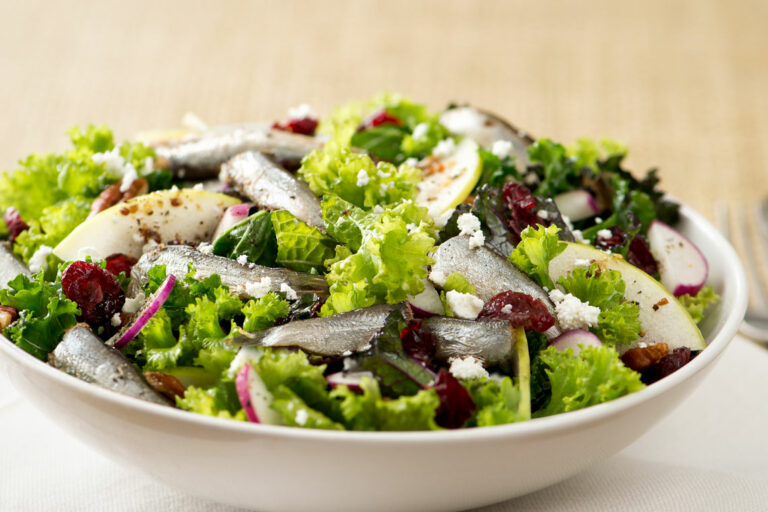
x=747, y=225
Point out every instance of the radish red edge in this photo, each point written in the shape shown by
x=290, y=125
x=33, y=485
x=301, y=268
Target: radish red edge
x=232, y=216
x=155, y=303
x=577, y=205
x=243, y=388
x=683, y=267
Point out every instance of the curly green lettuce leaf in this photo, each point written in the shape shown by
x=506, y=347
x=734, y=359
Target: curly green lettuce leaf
x=299, y=246
x=345, y=119
x=336, y=169
x=594, y=376
x=496, y=171
x=296, y=413
x=253, y=238
x=45, y=313
x=497, y=401
x=211, y=402
x=697, y=304
x=556, y=170
x=589, y=152
x=459, y=283
x=161, y=348
x=618, y=321
x=389, y=264
x=262, y=313
x=536, y=249
x=370, y=411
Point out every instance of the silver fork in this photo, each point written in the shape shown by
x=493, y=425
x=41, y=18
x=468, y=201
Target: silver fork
x=747, y=230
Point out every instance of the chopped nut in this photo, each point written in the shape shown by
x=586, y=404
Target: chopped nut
x=640, y=358
x=167, y=385
x=112, y=196
x=8, y=315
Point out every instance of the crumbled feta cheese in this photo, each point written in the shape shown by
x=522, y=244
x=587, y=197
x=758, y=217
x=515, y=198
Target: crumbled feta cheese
x=438, y=277
x=464, y=305
x=383, y=174
x=138, y=238
x=205, y=248
x=579, y=236
x=544, y=214
x=301, y=417
x=507, y=309
x=192, y=122
x=39, y=260
x=444, y=148
x=290, y=293
x=362, y=178
x=501, y=148
x=411, y=227
x=133, y=304
x=604, y=233
x=583, y=263
x=260, y=289
x=151, y=245
x=301, y=112
x=85, y=252
x=470, y=225
x=242, y=259
x=572, y=313
x=115, y=163
x=198, y=186
x=175, y=188
x=116, y=321
x=468, y=368
x=598, y=220
x=413, y=162
x=420, y=131
x=128, y=178
x=531, y=178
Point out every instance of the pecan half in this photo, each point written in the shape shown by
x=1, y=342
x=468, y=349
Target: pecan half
x=8, y=315
x=112, y=195
x=640, y=358
x=167, y=385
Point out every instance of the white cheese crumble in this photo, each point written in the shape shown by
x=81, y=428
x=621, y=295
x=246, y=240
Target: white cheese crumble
x=198, y=186
x=467, y=368
x=362, y=178
x=39, y=260
x=116, y=321
x=437, y=277
x=260, y=289
x=501, y=148
x=544, y=214
x=464, y=305
x=128, y=178
x=290, y=293
x=572, y=313
x=413, y=162
x=301, y=417
x=242, y=259
x=138, y=238
x=94, y=253
x=470, y=225
x=507, y=309
x=604, y=233
x=583, y=263
x=301, y=112
x=531, y=179
x=205, y=248
x=133, y=304
x=420, y=131
x=444, y=148
x=115, y=163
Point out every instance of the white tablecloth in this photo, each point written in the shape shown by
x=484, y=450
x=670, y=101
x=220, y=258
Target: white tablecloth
x=710, y=454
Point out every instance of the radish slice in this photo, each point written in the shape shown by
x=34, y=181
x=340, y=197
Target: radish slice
x=350, y=379
x=682, y=266
x=574, y=338
x=427, y=303
x=155, y=303
x=255, y=397
x=232, y=216
x=577, y=205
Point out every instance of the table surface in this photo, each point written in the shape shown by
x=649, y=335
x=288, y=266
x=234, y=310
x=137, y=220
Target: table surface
x=682, y=83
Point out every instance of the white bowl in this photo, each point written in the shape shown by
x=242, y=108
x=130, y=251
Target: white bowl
x=282, y=468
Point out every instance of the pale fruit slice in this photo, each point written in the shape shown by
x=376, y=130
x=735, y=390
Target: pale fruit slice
x=448, y=181
x=167, y=216
x=663, y=318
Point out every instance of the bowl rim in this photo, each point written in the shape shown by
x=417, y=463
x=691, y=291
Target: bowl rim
x=533, y=427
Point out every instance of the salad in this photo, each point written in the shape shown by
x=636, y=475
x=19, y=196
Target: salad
x=382, y=268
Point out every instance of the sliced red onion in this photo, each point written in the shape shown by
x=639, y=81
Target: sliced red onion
x=232, y=216
x=574, y=338
x=155, y=303
x=243, y=388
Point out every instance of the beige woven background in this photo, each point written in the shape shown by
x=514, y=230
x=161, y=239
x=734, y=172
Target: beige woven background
x=685, y=84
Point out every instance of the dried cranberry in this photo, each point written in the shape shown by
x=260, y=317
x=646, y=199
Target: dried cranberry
x=120, y=263
x=639, y=255
x=379, y=118
x=96, y=291
x=618, y=238
x=520, y=309
x=303, y=126
x=456, y=405
x=667, y=365
x=419, y=343
x=520, y=208
x=14, y=223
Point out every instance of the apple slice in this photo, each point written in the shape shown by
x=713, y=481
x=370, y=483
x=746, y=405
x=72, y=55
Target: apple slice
x=448, y=181
x=682, y=266
x=664, y=319
x=185, y=215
